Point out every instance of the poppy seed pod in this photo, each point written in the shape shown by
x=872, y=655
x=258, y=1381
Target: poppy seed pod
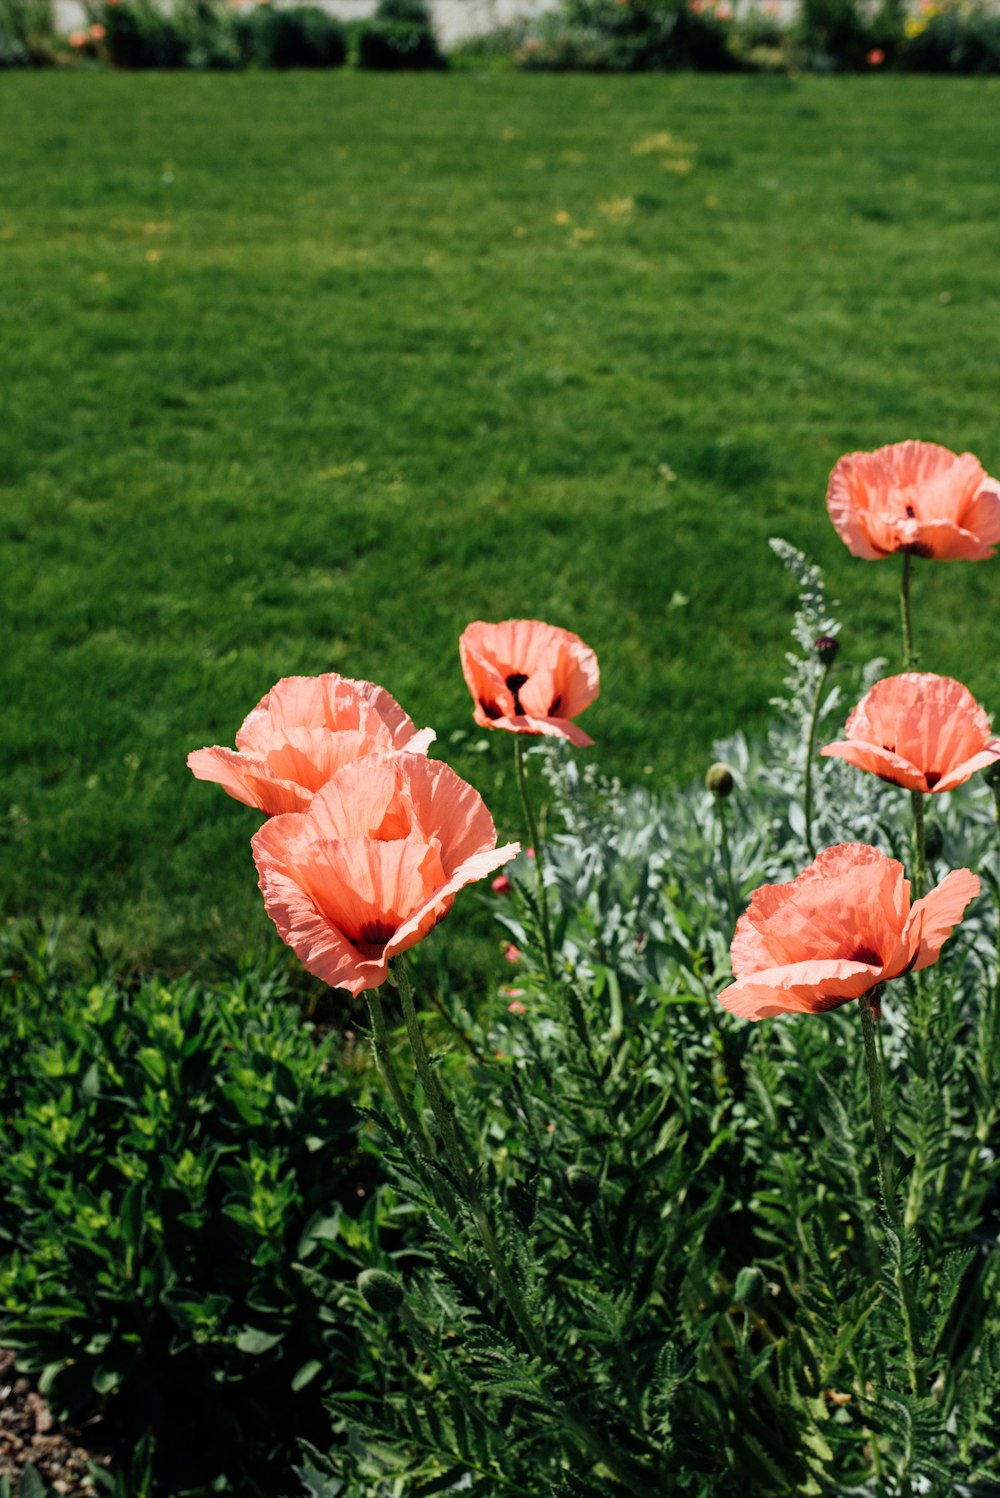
x=826, y=647
x=750, y=1287
x=381, y=1291
x=583, y=1185
x=720, y=780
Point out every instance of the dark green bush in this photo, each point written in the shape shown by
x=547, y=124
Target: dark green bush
x=956, y=40
x=603, y=35
x=138, y=36
x=179, y=1167
x=400, y=35
x=303, y=37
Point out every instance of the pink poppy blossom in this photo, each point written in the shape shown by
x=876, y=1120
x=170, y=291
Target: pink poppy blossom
x=373, y=864
x=838, y=931
x=301, y=733
x=924, y=732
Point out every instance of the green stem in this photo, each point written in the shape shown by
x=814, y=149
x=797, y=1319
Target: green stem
x=919, y=846
x=535, y=843
x=882, y=1145
x=384, y=1061
x=807, y=799
x=727, y=862
x=868, y=1005
x=909, y=654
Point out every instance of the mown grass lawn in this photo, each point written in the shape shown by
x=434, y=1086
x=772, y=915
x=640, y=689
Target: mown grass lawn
x=303, y=373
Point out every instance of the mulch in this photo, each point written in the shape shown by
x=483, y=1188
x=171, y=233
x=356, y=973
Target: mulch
x=29, y=1436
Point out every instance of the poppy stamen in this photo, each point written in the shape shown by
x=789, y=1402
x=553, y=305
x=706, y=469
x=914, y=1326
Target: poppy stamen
x=515, y=681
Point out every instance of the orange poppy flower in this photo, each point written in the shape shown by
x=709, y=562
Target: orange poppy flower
x=529, y=677
x=838, y=931
x=373, y=864
x=304, y=730
x=916, y=497
x=924, y=732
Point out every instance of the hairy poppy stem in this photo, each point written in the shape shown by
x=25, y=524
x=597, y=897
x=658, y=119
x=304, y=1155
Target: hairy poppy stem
x=533, y=842
x=727, y=862
x=919, y=846
x=387, y=1069
x=868, y=1007
x=882, y=1145
x=807, y=798
x=909, y=654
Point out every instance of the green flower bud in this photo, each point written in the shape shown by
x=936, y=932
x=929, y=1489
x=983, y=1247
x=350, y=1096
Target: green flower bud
x=751, y=1286
x=720, y=780
x=380, y=1290
x=584, y=1186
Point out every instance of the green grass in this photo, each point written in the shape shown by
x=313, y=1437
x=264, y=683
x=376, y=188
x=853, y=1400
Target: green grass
x=303, y=373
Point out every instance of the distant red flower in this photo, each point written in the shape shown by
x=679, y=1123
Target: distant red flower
x=838, y=931
x=924, y=732
x=373, y=864
x=501, y=885
x=512, y=953
x=916, y=497
x=77, y=39
x=875, y=57
x=305, y=729
x=516, y=1007
x=529, y=677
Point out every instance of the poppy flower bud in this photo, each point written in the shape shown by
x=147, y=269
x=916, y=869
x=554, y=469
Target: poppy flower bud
x=720, y=780
x=584, y=1186
x=933, y=838
x=381, y=1291
x=826, y=647
x=751, y=1286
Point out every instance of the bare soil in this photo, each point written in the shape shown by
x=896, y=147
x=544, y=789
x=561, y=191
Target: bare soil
x=29, y=1436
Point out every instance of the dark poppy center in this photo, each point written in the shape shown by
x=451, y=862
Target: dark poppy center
x=489, y=708
x=375, y=933
x=515, y=682
x=866, y=954
x=910, y=513
x=932, y=777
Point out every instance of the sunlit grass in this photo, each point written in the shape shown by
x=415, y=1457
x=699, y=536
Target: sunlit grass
x=304, y=373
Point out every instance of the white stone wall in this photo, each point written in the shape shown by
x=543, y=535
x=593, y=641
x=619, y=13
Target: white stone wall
x=453, y=19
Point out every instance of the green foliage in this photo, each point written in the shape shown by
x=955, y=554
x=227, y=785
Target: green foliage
x=299, y=37
x=648, y=36
x=140, y=35
x=957, y=38
x=181, y=1184
x=400, y=35
x=707, y=1291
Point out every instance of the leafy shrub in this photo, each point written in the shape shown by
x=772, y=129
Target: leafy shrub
x=651, y=35
x=301, y=37
x=399, y=36
x=137, y=35
x=27, y=33
x=953, y=38
x=179, y=1175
